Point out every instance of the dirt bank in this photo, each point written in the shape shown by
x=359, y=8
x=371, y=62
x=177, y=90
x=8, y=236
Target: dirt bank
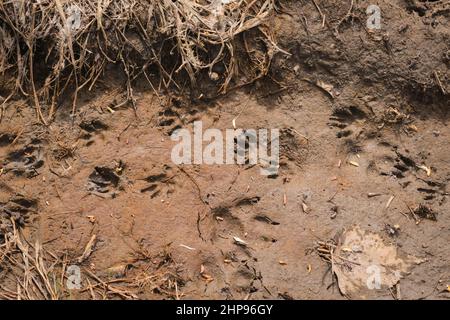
x=363, y=117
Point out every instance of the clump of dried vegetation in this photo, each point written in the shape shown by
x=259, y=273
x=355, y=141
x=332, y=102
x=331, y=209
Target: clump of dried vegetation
x=51, y=47
x=27, y=271
x=31, y=272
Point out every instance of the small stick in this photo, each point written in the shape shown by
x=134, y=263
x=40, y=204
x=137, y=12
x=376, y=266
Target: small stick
x=320, y=12
x=388, y=204
x=439, y=83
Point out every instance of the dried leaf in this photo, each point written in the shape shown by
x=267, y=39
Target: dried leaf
x=328, y=88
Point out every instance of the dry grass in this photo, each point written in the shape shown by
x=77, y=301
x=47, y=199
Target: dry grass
x=49, y=47
x=30, y=272
x=30, y=269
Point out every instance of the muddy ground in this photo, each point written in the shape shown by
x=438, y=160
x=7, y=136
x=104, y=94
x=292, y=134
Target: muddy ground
x=364, y=144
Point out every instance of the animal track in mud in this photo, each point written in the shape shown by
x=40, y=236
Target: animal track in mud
x=226, y=217
x=400, y=166
x=227, y=220
x=26, y=161
x=92, y=127
x=18, y=208
x=293, y=147
x=265, y=219
x=222, y=220
x=404, y=166
x=244, y=278
x=158, y=180
x=170, y=119
x=432, y=189
x=427, y=9
x=343, y=119
x=6, y=139
x=105, y=181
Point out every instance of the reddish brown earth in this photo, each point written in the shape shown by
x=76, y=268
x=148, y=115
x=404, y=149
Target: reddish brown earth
x=168, y=230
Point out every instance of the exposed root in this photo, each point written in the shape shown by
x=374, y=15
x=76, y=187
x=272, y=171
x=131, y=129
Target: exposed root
x=51, y=47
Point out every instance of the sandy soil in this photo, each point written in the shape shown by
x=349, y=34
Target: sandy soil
x=364, y=142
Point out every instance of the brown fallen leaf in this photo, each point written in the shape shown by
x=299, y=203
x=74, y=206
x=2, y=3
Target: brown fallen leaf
x=371, y=254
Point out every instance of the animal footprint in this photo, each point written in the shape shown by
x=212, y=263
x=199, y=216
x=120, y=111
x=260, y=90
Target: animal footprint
x=293, y=147
x=104, y=181
x=26, y=161
x=18, y=209
x=343, y=116
x=158, y=181
x=171, y=120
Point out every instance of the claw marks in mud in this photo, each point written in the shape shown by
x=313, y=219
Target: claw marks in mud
x=265, y=219
x=173, y=118
x=344, y=119
x=403, y=166
x=159, y=181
